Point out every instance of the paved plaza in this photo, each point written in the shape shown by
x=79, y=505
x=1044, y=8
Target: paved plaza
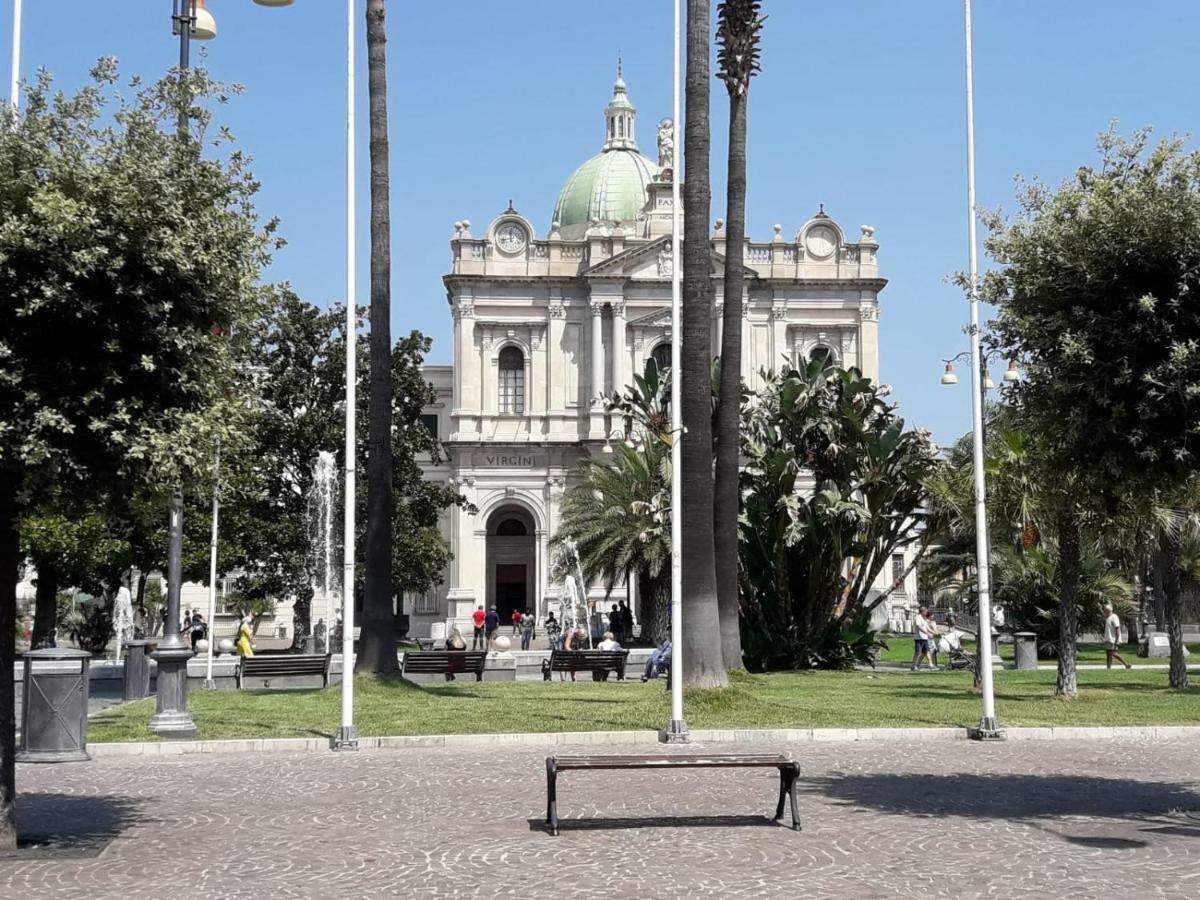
x=881, y=819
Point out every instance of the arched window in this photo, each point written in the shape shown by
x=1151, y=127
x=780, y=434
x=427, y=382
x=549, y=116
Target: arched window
x=620, y=126
x=512, y=381
x=662, y=357
x=511, y=528
x=824, y=354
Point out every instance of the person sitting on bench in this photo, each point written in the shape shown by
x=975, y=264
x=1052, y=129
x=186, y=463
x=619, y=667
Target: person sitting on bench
x=659, y=661
x=455, y=642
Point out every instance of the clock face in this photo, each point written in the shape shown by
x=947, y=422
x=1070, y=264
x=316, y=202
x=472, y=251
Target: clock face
x=510, y=237
x=820, y=241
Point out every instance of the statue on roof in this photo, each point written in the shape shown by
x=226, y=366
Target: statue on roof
x=666, y=144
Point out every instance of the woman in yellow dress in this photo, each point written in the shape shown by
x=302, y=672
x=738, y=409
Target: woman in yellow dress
x=243, y=638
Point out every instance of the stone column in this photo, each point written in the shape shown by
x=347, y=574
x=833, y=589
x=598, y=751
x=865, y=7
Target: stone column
x=620, y=365
x=779, y=346
x=868, y=344
x=596, y=387
x=466, y=392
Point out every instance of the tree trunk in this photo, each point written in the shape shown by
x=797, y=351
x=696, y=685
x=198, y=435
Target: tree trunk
x=10, y=576
x=653, y=598
x=45, y=611
x=1069, y=569
x=726, y=502
x=1160, y=622
x=1173, y=589
x=703, y=661
x=378, y=644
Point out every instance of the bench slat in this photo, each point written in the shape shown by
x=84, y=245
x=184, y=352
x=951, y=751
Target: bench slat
x=670, y=760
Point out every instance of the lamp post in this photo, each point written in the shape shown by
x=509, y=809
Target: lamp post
x=189, y=19
x=676, y=731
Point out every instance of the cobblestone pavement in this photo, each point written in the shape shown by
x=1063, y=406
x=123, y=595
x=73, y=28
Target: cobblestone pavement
x=881, y=819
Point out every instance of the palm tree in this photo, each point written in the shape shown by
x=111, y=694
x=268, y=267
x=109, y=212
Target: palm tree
x=739, y=23
x=620, y=519
x=378, y=652
x=703, y=661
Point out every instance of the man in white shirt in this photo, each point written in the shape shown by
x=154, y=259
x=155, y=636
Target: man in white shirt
x=923, y=630
x=1112, y=637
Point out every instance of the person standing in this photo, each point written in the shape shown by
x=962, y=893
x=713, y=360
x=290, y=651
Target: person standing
x=1112, y=637
x=479, y=618
x=614, y=621
x=516, y=621
x=527, y=624
x=626, y=621
x=244, y=647
x=491, y=626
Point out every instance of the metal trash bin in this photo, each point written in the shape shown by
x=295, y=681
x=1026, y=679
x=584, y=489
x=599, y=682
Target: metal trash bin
x=137, y=670
x=1026, y=645
x=54, y=706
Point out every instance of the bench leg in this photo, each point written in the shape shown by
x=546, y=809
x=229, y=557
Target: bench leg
x=783, y=791
x=793, y=777
x=551, y=795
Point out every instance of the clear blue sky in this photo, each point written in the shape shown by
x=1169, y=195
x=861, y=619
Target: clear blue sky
x=859, y=106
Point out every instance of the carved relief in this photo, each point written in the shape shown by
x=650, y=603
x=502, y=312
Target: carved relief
x=557, y=310
x=618, y=308
x=464, y=310
x=666, y=263
x=869, y=313
x=779, y=312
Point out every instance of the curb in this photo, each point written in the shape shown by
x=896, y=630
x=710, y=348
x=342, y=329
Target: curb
x=601, y=738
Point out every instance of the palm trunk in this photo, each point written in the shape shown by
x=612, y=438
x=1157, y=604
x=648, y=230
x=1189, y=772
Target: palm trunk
x=1172, y=588
x=1160, y=622
x=45, y=610
x=703, y=661
x=653, y=596
x=10, y=576
x=378, y=645
x=1069, y=569
x=725, y=507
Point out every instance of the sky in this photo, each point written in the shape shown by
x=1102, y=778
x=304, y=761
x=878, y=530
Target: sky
x=860, y=106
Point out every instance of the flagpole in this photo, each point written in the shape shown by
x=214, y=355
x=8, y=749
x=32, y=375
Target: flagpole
x=677, y=730
x=989, y=727
x=14, y=95
x=347, y=734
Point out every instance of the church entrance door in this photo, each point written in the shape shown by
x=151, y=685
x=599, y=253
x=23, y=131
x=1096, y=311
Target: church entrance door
x=511, y=591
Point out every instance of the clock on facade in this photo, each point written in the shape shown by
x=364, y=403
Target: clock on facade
x=510, y=237
x=820, y=241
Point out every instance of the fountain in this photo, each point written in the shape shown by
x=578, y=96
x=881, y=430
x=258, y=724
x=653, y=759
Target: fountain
x=323, y=517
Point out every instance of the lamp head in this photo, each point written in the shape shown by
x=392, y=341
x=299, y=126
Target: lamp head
x=948, y=377
x=988, y=384
x=1011, y=375
x=205, y=26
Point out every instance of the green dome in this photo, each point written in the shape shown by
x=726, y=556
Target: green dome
x=610, y=186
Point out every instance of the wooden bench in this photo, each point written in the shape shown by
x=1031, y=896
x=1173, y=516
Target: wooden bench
x=595, y=661
x=282, y=666
x=789, y=773
x=444, y=662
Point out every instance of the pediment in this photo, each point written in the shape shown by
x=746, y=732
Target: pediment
x=640, y=260
x=656, y=318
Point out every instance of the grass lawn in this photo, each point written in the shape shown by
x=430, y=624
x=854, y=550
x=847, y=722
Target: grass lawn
x=900, y=650
x=390, y=706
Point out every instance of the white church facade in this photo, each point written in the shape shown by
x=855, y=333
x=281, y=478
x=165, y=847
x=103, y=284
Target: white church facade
x=547, y=321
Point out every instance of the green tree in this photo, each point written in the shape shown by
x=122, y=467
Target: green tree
x=68, y=551
x=833, y=485
x=703, y=661
x=1095, y=291
x=739, y=27
x=121, y=248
